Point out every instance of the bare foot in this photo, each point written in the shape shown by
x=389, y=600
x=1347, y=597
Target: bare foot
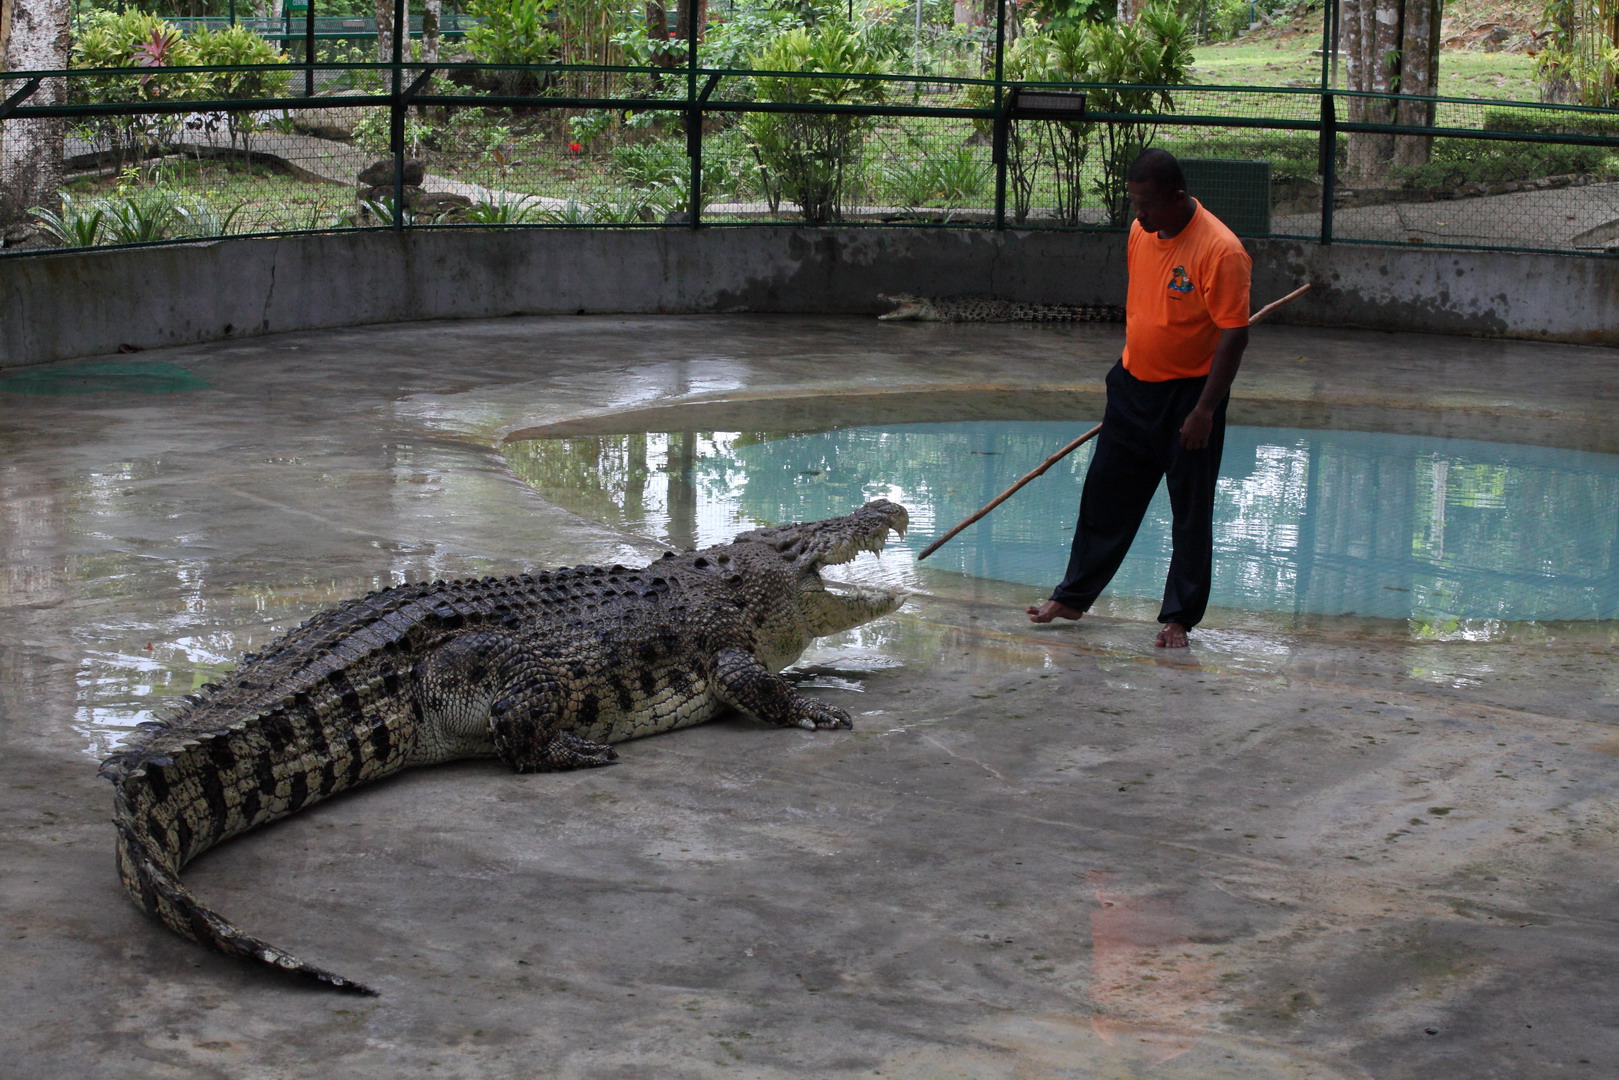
x=1052, y=610
x=1172, y=636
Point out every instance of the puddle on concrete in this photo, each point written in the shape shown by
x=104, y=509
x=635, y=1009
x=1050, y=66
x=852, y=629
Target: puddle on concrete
x=1453, y=537
x=133, y=673
x=103, y=377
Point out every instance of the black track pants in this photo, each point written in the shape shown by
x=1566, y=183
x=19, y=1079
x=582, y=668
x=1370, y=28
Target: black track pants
x=1139, y=445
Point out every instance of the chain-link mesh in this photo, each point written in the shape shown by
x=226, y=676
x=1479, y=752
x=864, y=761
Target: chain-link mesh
x=180, y=151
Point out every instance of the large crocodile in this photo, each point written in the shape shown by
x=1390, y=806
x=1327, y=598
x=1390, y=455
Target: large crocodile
x=542, y=670
x=968, y=308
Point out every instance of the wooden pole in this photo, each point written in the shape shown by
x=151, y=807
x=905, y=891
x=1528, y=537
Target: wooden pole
x=1077, y=443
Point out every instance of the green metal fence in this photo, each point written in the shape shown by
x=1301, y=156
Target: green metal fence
x=174, y=153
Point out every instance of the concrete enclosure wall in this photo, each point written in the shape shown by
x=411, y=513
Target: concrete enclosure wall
x=54, y=307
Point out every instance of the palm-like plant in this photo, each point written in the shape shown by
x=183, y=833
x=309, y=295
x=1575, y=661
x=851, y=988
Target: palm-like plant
x=78, y=225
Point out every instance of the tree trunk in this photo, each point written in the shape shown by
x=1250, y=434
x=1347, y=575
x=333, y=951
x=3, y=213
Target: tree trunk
x=657, y=32
x=989, y=12
x=385, y=30
x=683, y=15
x=430, y=30
x=1371, y=46
x=1384, y=67
x=1355, y=19
x=1419, y=77
x=36, y=38
x=1128, y=10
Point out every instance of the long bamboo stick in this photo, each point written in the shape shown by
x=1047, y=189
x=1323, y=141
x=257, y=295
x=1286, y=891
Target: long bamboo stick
x=1077, y=443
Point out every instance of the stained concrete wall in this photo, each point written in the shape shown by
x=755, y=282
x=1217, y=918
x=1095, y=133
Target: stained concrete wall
x=58, y=306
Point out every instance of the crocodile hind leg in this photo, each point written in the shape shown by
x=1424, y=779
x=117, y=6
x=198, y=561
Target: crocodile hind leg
x=531, y=723
x=743, y=682
x=529, y=737
x=483, y=693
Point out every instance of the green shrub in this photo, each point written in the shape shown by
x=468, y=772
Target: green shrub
x=142, y=215
x=1551, y=121
x=1294, y=155
x=814, y=157
x=1155, y=51
x=505, y=208
x=1459, y=162
x=660, y=161
x=200, y=217
x=661, y=165
x=132, y=39
x=237, y=46
x=512, y=32
x=931, y=174
x=79, y=223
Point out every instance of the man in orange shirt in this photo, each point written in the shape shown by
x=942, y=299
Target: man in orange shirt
x=1186, y=326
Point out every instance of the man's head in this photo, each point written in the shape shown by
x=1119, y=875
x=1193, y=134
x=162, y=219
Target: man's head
x=1158, y=192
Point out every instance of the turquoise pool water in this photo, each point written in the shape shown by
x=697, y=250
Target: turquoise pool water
x=1440, y=531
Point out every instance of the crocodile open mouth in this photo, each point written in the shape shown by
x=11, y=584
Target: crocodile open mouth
x=884, y=517
x=815, y=544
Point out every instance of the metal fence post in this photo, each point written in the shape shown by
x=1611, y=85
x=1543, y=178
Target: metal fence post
x=309, y=48
x=694, y=121
x=396, y=113
x=998, y=142
x=1001, y=122
x=1329, y=163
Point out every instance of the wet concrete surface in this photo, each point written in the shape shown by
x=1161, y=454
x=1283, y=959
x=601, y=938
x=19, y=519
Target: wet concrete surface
x=1323, y=850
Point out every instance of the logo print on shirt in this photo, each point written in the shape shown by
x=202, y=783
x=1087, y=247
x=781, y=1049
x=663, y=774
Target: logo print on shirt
x=1180, y=282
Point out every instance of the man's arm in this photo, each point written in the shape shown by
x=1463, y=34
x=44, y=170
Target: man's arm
x=1222, y=373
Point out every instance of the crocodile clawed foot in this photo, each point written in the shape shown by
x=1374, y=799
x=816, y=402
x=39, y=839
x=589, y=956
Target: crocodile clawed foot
x=818, y=717
x=566, y=751
x=584, y=754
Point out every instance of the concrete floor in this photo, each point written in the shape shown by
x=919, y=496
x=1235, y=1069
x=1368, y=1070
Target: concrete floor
x=1305, y=852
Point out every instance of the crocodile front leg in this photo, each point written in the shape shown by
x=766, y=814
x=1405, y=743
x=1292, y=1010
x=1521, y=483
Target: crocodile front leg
x=743, y=682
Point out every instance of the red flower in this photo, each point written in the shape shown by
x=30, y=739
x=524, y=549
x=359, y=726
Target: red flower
x=575, y=147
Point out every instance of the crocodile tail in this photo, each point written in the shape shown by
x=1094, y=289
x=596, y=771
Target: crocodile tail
x=177, y=794
x=151, y=877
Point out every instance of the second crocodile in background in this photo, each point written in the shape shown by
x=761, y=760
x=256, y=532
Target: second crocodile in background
x=956, y=309
x=542, y=670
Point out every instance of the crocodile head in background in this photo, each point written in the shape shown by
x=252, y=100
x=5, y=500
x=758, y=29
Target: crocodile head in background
x=909, y=307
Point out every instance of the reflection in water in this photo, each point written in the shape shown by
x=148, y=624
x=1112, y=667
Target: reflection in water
x=123, y=591
x=1441, y=532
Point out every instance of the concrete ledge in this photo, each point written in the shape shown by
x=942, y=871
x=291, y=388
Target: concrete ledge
x=54, y=307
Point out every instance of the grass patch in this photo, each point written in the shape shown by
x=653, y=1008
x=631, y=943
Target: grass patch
x=1463, y=73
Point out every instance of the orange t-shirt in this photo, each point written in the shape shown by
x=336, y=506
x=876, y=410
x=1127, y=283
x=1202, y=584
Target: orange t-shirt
x=1183, y=292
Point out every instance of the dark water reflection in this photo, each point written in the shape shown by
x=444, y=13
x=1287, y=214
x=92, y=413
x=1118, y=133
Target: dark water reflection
x=1440, y=532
